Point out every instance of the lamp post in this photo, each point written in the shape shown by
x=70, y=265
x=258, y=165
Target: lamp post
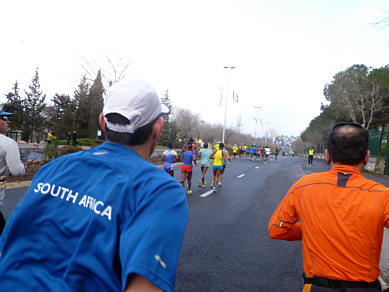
x=256, y=122
x=226, y=97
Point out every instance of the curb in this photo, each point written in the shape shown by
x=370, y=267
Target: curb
x=383, y=283
x=16, y=185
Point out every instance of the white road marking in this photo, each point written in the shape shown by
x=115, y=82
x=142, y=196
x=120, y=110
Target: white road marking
x=257, y=167
x=206, y=194
x=242, y=175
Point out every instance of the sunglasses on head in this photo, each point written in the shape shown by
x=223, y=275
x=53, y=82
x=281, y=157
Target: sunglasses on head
x=352, y=124
x=4, y=118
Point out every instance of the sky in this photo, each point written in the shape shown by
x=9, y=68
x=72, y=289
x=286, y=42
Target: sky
x=284, y=52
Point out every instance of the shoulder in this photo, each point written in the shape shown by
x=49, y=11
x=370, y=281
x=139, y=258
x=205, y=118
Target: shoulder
x=6, y=141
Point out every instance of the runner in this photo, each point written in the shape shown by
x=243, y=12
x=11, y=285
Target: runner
x=258, y=153
x=267, y=152
x=241, y=150
x=205, y=154
x=186, y=169
x=225, y=157
x=218, y=156
x=190, y=142
x=234, y=151
x=169, y=157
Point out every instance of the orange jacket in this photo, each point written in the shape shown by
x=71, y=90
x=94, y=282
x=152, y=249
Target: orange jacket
x=341, y=218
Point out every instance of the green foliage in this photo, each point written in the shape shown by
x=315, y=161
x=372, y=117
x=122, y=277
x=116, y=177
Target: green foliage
x=170, y=130
x=14, y=105
x=80, y=142
x=81, y=97
x=96, y=103
x=61, y=116
x=359, y=94
x=53, y=152
x=34, y=105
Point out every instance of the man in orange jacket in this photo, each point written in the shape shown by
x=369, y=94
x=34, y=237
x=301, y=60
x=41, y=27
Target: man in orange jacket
x=339, y=216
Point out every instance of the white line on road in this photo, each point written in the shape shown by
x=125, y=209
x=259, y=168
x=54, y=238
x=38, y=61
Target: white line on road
x=242, y=175
x=206, y=194
x=257, y=167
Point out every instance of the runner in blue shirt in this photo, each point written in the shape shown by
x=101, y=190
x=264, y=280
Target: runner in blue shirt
x=104, y=219
x=169, y=157
x=205, y=154
x=186, y=169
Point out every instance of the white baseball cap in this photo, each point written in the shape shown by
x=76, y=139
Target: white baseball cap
x=137, y=101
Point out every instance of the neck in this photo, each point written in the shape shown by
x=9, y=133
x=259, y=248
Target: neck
x=142, y=150
x=358, y=166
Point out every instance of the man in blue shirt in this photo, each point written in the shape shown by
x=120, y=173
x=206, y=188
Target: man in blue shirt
x=104, y=219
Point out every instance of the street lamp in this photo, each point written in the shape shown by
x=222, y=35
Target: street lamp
x=225, y=102
x=256, y=122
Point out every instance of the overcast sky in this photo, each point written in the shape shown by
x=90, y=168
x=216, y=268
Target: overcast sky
x=284, y=51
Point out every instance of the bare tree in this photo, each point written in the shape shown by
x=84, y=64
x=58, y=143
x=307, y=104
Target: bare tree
x=353, y=92
x=188, y=123
x=111, y=71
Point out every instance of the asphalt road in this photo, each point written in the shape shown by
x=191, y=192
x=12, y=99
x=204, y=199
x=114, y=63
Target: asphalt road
x=226, y=245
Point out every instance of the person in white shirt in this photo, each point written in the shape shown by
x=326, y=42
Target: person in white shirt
x=9, y=160
x=267, y=153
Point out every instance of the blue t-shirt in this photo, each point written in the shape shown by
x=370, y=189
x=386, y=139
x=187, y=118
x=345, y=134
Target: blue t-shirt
x=205, y=154
x=92, y=218
x=188, y=157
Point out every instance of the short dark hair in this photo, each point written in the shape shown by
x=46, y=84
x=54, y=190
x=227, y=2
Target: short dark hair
x=348, y=143
x=170, y=145
x=221, y=145
x=139, y=137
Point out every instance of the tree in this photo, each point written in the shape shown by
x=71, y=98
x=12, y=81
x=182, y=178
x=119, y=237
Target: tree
x=61, y=116
x=34, y=105
x=111, y=71
x=96, y=103
x=353, y=92
x=14, y=105
x=170, y=131
x=82, y=116
x=188, y=123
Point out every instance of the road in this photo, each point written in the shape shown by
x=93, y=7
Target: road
x=226, y=245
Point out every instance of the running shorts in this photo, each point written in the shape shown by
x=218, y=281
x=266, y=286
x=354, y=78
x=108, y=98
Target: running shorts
x=186, y=168
x=217, y=167
x=167, y=166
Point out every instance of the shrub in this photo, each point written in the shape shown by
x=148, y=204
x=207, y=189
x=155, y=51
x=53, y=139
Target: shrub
x=51, y=153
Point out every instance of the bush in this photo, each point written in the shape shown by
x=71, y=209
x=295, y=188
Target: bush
x=51, y=153
x=80, y=142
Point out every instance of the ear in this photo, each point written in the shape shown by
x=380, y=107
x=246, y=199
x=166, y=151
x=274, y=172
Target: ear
x=158, y=127
x=328, y=159
x=367, y=157
x=102, y=121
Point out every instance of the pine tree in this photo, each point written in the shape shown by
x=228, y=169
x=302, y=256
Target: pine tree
x=34, y=107
x=81, y=95
x=62, y=115
x=96, y=103
x=14, y=105
x=170, y=131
